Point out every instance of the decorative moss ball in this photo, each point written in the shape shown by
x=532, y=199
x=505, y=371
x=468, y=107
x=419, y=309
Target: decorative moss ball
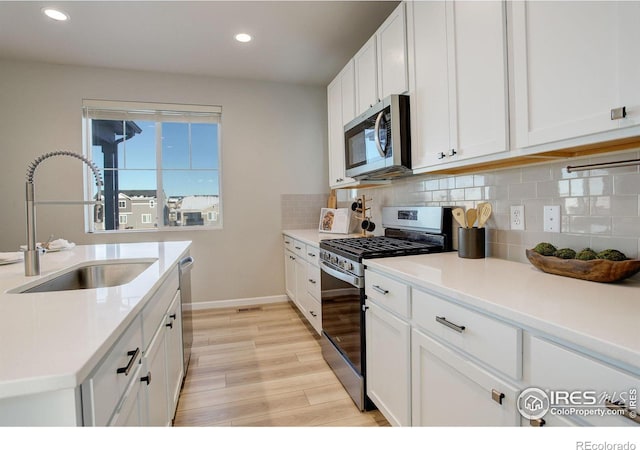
x=612, y=255
x=586, y=254
x=565, y=253
x=545, y=249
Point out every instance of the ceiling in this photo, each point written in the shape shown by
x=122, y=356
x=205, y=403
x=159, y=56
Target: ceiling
x=304, y=42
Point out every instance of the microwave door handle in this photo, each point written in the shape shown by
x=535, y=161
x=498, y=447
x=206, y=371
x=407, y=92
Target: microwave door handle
x=376, y=134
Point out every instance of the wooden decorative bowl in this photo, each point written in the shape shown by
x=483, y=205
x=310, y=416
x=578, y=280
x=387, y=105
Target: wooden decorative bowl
x=600, y=270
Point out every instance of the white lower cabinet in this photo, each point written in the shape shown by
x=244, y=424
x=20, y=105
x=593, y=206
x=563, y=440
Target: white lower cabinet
x=174, y=349
x=155, y=368
x=448, y=389
x=388, y=364
x=131, y=412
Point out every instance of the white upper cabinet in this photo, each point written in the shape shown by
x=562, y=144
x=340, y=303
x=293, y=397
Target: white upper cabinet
x=340, y=104
x=574, y=63
x=381, y=64
x=458, y=80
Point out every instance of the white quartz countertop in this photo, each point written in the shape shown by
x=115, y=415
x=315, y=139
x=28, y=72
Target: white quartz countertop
x=313, y=237
x=51, y=341
x=600, y=317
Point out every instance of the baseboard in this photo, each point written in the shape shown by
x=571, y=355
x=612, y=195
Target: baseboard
x=238, y=302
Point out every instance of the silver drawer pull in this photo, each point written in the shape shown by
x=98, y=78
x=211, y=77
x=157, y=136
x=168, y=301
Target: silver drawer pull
x=537, y=422
x=626, y=412
x=497, y=396
x=379, y=289
x=134, y=355
x=453, y=326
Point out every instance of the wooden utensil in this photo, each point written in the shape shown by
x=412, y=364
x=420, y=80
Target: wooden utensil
x=484, y=215
x=472, y=214
x=458, y=215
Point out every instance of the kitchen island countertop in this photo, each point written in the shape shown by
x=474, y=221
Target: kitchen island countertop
x=601, y=317
x=51, y=341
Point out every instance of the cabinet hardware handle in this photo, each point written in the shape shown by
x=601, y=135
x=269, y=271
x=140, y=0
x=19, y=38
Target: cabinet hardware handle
x=441, y=155
x=453, y=326
x=312, y=281
x=172, y=316
x=537, y=422
x=134, y=355
x=147, y=378
x=626, y=412
x=313, y=314
x=619, y=113
x=292, y=257
x=364, y=307
x=453, y=152
x=313, y=255
x=497, y=396
x=379, y=289
x=339, y=180
x=287, y=242
x=298, y=248
x=170, y=324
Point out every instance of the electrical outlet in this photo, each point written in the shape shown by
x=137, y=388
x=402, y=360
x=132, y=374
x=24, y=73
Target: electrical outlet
x=517, y=217
x=551, y=218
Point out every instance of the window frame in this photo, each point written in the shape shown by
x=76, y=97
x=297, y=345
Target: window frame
x=162, y=110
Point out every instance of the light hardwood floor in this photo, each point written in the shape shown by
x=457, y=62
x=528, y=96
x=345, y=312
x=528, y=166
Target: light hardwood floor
x=262, y=366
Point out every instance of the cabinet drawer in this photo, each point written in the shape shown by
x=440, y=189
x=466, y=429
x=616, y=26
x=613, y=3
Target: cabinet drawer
x=112, y=377
x=491, y=341
x=559, y=369
x=312, y=254
x=313, y=281
x=154, y=311
x=288, y=242
x=389, y=293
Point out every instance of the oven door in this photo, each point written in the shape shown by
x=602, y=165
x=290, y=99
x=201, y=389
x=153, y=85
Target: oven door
x=342, y=314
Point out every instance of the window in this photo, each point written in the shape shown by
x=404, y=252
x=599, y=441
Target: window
x=154, y=156
x=122, y=219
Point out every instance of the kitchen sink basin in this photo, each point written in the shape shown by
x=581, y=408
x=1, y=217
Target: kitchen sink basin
x=91, y=276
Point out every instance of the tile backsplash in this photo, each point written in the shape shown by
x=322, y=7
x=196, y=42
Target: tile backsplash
x=302, y=211
x=599, y=207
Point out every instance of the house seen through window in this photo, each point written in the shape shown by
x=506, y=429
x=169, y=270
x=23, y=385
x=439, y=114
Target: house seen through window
x=160, y=164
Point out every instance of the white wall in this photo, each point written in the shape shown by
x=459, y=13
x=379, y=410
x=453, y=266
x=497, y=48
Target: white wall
x=273, y=143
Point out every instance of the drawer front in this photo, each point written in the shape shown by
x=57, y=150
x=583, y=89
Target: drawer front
x=388, y=293
x=491, y=341
x=288, y=242
x=313, y=312
x=299, y=249
x=561, y=370
x=312, y=254
x=113, y=376
x=154, y=311
x=313, y=281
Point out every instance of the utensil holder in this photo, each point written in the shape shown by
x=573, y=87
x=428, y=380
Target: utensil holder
x=471, y=243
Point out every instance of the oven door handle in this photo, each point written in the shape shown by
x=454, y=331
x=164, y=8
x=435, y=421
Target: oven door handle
x=352, y=280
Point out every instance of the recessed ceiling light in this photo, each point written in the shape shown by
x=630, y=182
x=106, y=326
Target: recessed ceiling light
x=243, y=37
x=55, y=14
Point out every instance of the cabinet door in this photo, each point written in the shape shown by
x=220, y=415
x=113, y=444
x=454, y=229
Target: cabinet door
x=388, y=364
x=430, y=83
x=348, y=93
x=366, y=71
x=156, y=389
x=130, y=412
x=392, y=54
x=290, y=274
x=336, y=105
x=573, y=63
x=301, y=282
x=448, y=389
x=477, y=77
x=175, y=362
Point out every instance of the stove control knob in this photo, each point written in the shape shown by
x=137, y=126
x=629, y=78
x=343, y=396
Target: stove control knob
x=349, y=266
x=334, y=259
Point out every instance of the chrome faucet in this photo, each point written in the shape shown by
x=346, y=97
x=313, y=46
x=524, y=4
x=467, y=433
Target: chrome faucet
x=32, y=254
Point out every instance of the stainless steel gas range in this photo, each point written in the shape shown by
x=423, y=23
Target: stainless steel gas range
x=409, y=230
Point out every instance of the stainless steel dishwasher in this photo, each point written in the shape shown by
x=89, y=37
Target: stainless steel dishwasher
x=185, y=266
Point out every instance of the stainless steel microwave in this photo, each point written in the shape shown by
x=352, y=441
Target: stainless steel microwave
x=377, y=143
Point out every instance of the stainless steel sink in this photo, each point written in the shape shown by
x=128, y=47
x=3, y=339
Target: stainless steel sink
x=92, y=275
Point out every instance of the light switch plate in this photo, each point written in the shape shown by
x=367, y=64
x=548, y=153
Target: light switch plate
x=551, y=217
